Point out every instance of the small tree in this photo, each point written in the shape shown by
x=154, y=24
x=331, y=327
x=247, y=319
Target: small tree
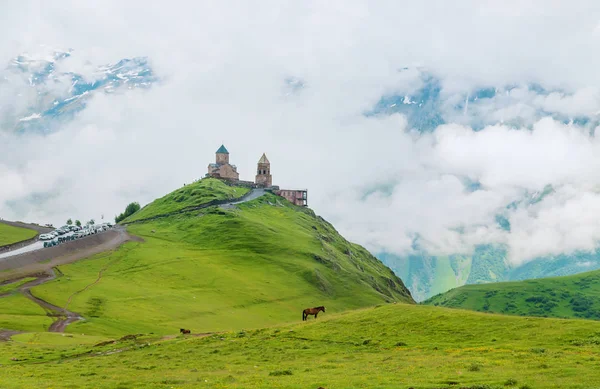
x=130, y=210
x=77, y=223
x=69, y=222
x=91, y=222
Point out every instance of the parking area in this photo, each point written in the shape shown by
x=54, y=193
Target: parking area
x=59, y=236
x=70, y=233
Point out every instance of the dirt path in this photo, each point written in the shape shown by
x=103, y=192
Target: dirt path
x=40, y=264
x=6, y=334
x=63, y=317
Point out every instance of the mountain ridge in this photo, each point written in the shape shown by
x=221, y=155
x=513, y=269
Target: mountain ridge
x=573, y=296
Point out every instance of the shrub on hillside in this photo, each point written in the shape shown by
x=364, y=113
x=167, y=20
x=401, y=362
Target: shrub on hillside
x=581, y=303
x=129, y=210
x=474, y=367
x=280, y=373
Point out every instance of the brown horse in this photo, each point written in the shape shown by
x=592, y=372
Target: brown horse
x=184, y=331
x=312, y=311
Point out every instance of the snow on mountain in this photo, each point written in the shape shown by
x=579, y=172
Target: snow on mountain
x=54, y=95
x=422, y=97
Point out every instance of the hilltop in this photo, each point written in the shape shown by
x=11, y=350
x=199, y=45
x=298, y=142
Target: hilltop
x=575, y=296
x=389, y=346
x=233, y=267
x=193, y=195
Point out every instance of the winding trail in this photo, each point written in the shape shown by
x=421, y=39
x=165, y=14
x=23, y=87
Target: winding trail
x=62, y=316
x=6, y=334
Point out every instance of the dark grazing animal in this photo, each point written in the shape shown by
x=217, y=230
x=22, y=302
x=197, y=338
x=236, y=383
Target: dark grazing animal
x=312, y=311
x=184, y=331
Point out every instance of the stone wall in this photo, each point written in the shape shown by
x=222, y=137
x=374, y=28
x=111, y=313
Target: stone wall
x=244, y=184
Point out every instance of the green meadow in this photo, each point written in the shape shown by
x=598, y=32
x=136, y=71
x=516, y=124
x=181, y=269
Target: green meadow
x=239, y=278
x=19, y=313
x=388, y=346
x=211, y=270
x=575, y=296
x=10, y=234
x=193, y=195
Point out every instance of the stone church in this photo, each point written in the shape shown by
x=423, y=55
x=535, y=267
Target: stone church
x=222, y=168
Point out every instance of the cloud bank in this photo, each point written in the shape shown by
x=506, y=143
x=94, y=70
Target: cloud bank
x=225, y=71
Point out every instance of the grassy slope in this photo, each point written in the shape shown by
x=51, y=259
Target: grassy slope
x=392, y=346
x=198, y=193
x=219, y=269
x=567, y=297
x=18, y=312
x=10, y=234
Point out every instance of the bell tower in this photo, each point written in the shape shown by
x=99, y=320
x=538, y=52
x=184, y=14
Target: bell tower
x=263, y=172
x=222, y=156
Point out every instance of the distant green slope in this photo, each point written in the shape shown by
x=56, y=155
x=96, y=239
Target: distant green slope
x=427, y=275
x=193, y=195
x=10, y=234
x=576, y=296
x=258, y=264
x=390, y=346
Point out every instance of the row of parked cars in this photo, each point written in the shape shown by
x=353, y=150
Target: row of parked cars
x=59, y=232
x=69, y=233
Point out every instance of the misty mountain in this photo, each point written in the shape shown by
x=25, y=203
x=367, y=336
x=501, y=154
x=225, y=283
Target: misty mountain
x=47, y=94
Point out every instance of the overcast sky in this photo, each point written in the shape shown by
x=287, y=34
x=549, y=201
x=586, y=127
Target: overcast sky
x=222, y=67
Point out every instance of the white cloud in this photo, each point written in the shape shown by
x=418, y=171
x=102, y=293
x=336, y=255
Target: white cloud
x=223, y=67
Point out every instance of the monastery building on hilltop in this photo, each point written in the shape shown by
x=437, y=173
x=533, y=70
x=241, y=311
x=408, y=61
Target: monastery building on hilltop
x=222, y=169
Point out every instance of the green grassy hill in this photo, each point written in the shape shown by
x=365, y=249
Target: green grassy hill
x=576, y=296
x=257, y=264
x=391, y=346
x=193, y=195
x=10, y=234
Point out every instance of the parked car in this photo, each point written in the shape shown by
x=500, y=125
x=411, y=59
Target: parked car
x=45, y=236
